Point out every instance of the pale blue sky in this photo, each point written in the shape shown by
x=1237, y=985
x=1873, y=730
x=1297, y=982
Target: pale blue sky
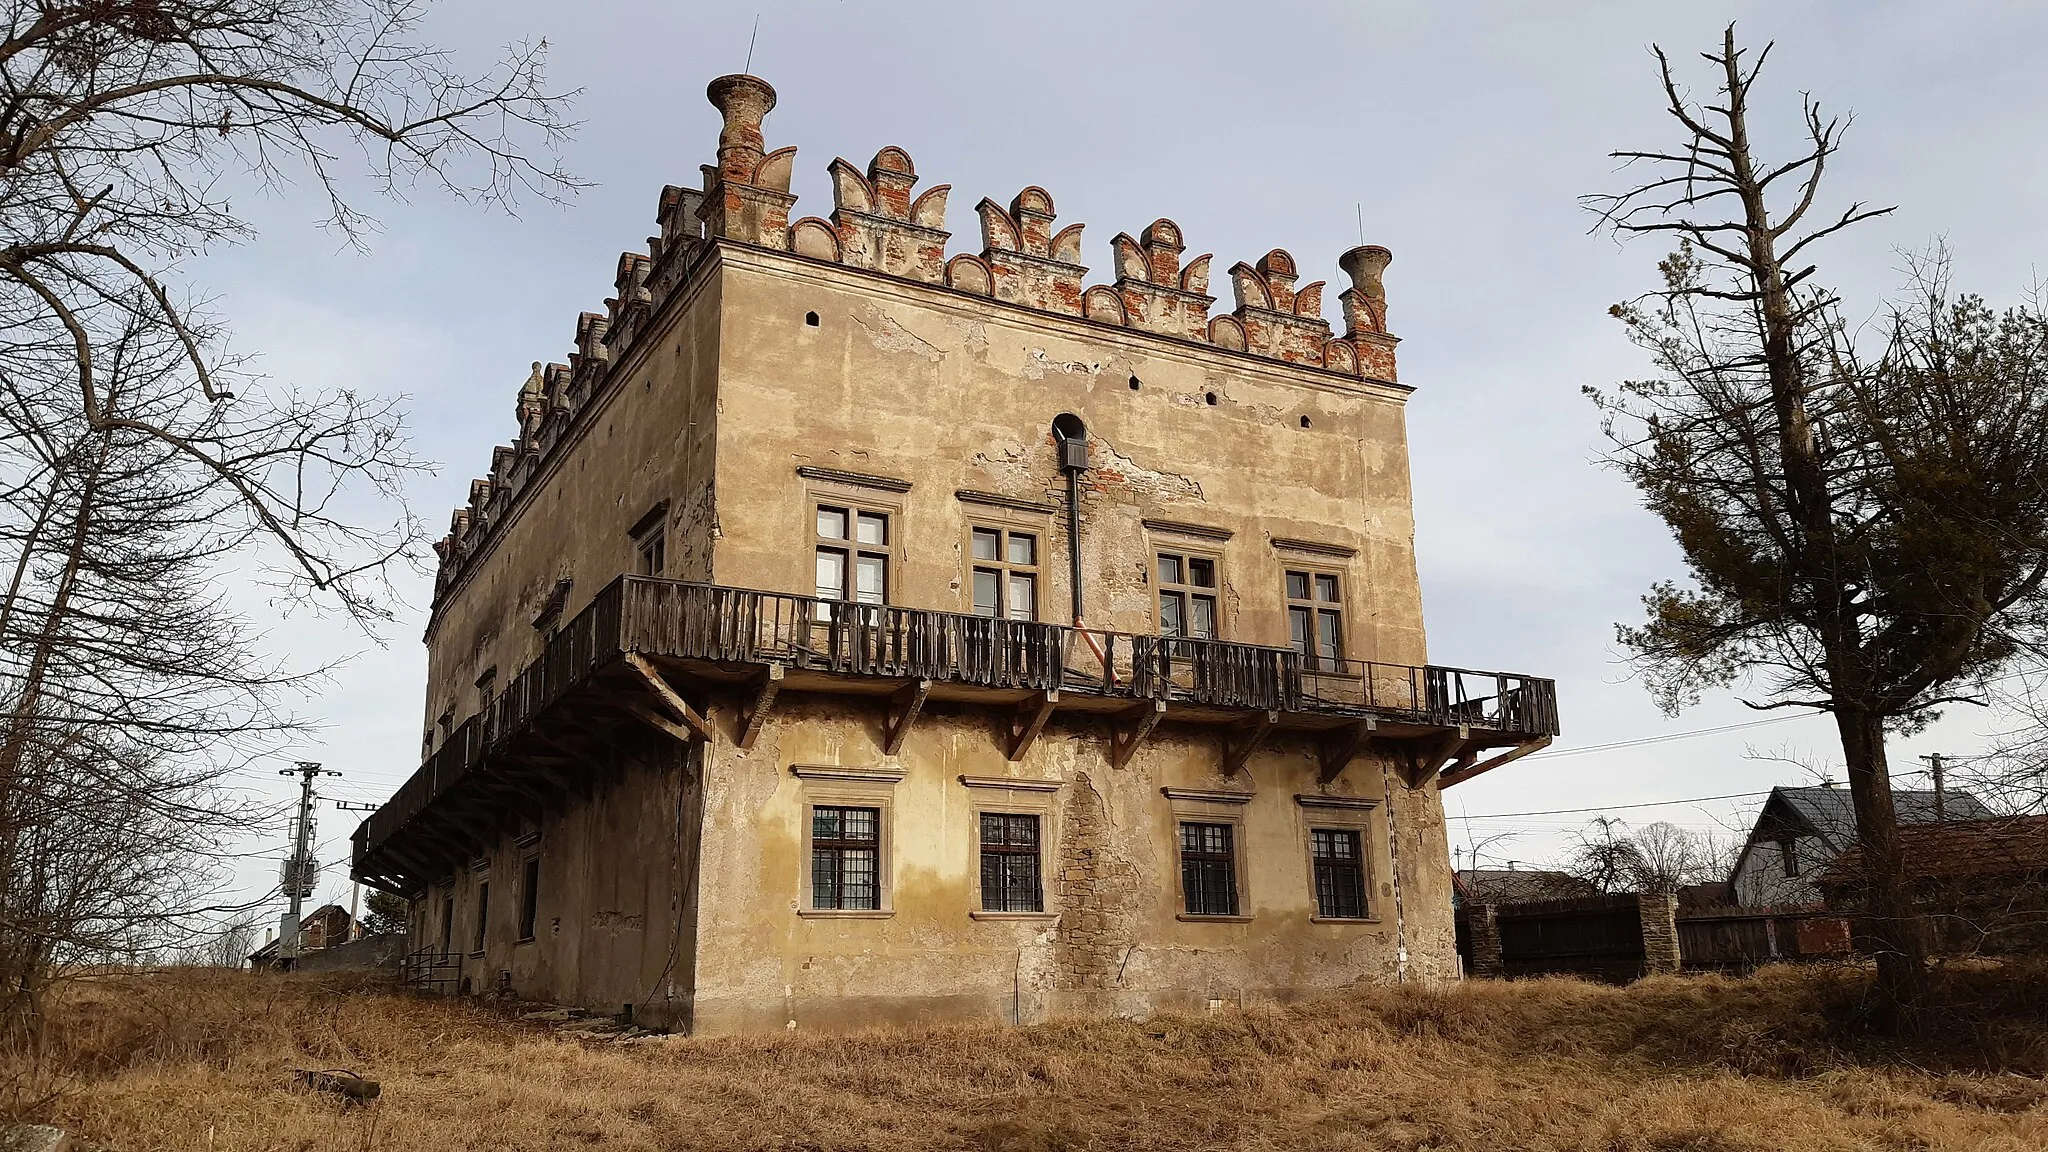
x=1462, y=133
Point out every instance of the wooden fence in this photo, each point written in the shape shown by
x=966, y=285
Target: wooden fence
x=1622, y=937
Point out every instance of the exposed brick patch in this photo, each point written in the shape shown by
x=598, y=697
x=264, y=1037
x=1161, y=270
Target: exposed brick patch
x=1095, y=894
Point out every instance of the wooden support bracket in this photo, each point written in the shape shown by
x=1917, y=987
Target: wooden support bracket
x=663, y=691
x=1467, y=771
x=1239, y=747
x=655, y=720
x=1340, y=747
x=1128, y=731
x=764, y=699
x=1028, y=722
x=903, y=709
x=1426, y=754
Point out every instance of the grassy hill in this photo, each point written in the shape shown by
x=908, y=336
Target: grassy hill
x=201, y=1060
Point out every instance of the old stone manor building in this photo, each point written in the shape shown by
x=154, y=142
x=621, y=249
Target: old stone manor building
x=855, y=632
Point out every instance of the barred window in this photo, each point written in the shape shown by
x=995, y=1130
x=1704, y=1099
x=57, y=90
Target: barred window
x=1340, y=873
x=1208, y=869
x=846, y=854
x=1009, y=864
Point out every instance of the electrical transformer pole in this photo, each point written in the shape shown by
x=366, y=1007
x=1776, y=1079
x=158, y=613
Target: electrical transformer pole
x=300, y=867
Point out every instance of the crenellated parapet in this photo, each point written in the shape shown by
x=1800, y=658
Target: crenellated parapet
x=1153, y=291
x=1272, y=318
x=1027, y=262
x=876, y=224
x=881, y=224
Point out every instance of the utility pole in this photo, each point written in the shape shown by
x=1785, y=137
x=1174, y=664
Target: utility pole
x=355, y=888
x=299, y=867
x=1934, y=761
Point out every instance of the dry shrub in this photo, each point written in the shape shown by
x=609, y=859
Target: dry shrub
x=201, y=1060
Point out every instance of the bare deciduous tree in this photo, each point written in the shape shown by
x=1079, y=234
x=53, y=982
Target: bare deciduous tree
x=142, y=470
x=226, y=945
x=1605, y=857
x=1864, y=517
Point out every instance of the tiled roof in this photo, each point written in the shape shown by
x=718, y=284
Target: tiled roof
x=1518, y=885
x=2001, y=846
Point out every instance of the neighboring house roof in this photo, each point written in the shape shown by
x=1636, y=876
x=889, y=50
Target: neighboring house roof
x=1831, y=813
x=335, y=916
x=1518, y=885
x=2003, y=846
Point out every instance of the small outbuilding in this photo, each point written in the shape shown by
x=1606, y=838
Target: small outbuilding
x=1979, y=885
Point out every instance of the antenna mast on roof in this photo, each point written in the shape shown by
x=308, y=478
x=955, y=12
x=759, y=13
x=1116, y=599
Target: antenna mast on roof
x=751, y=37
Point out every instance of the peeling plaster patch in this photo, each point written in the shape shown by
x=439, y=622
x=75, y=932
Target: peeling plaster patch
x=1006, y=463
x=614, y=923
x=1037, y=366
x=973, y=336
x=1136, y=477
x=889, y=336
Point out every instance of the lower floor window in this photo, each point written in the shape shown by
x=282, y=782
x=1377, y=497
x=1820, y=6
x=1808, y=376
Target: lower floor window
x=1208, y=869
x=1009, y=864
x=846, y=854
x=1340, y=873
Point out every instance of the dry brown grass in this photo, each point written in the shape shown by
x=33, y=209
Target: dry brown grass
x=201, y=1061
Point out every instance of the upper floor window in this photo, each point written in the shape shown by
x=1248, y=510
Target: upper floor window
x=853, y=550
x=650, y=542
x=1315, y=617
x=652, y=554
x=1187, y=595
x=1005, y=573
x=1788, y=856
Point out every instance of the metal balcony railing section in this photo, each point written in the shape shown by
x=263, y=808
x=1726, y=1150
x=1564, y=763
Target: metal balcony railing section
x=739, y=627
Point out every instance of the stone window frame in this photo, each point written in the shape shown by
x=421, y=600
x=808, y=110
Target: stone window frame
x=1358, y=814
x=856, y=499
x=1186, y=548
x=1315, y=607
x=1014, y=796
x=1209, y=806
x=1006, y=520
x=832, y=785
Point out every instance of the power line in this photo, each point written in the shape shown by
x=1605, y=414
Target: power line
x=1640, y=741
x=1612, y=807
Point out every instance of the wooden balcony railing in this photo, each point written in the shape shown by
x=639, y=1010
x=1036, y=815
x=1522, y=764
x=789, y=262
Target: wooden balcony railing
x=736, y=627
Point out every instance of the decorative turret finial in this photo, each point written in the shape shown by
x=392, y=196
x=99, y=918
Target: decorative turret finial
x=744, y=101
x=1365, y=302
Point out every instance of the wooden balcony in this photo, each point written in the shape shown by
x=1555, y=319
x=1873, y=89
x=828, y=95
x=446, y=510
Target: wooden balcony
x=649, y=656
